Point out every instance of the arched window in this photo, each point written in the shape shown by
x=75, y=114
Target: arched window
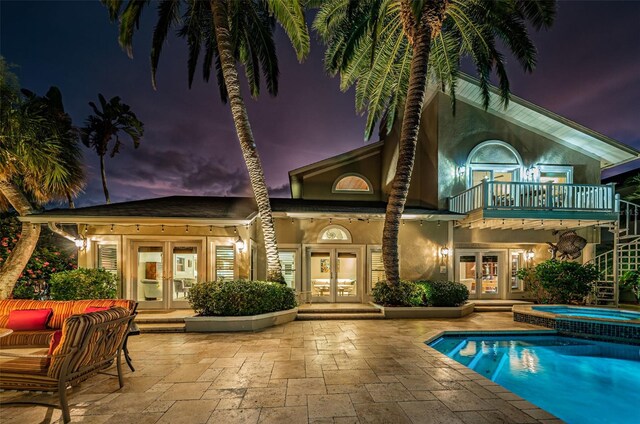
x=493, y=160
x=334, y=234
x=352, y=183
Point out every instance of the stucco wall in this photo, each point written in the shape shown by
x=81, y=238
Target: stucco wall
x=319, y=186
x=459, y=134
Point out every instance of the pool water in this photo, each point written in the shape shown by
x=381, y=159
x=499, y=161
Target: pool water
x=579, y=381
x=614, y=314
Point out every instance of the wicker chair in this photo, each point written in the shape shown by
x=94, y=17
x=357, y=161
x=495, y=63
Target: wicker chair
x=90, y=343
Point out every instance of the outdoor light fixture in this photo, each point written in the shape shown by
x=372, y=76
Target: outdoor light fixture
x=80, y=243
x=528, y=255
x=444, y=253
x=240, y=243
x=461, y=170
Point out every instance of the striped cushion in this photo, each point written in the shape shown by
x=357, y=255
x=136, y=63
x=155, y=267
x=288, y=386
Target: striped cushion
x=26, y=338
x=103, y=344
x=22, y=381
x=62, y=309
x=25, y=365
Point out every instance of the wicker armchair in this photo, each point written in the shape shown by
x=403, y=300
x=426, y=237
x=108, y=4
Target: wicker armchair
x=90, y=343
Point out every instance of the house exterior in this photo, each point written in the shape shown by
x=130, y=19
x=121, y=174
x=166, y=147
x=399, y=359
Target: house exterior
x=489, y=190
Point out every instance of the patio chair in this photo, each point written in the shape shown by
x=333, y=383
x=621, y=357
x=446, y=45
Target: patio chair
x=90, y=343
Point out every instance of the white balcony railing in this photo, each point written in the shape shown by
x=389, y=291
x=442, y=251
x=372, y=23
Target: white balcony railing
x=535, y=196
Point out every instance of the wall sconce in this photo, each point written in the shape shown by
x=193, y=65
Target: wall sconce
x=240, y=243
x=528, y=255
x=533, y=173
x=444, y=253
x=81, y=243
x=461, y=170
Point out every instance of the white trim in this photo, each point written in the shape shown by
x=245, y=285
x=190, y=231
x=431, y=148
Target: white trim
x=567, y=169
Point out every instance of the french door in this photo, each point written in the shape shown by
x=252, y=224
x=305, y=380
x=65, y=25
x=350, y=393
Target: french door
x=482, y=272
x=164, y=271
x=334, y=274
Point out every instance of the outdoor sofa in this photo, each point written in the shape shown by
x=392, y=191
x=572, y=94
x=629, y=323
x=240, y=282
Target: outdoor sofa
x=89, y=343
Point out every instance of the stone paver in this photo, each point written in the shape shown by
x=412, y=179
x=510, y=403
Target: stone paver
x=333, y=372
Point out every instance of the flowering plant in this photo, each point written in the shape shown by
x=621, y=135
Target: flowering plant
x=52, y=254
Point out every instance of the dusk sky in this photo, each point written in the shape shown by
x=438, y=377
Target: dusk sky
x=588, y=71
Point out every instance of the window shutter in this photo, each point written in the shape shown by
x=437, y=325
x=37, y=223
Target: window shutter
x=108, y=257
x=377, y=268
x=225, y=259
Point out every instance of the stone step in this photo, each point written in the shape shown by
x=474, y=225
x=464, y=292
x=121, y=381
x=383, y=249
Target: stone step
x=321, y=310
x=338, y=316
x=146, y=319
x=162, y=328
x=493, y=308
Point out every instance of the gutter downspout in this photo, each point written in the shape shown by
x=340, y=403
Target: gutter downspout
x=79, y=241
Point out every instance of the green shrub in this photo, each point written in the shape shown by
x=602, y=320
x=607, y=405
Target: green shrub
x=554, y=281
x=83, y=283
x=443, y=293
x=630, y=280
x=240, y=298
x=405, y=293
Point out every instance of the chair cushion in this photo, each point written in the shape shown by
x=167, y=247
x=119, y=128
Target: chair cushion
x=29, y=319
x=24, y=364
x=90, y=309
x=55, y=341
x=27, y=338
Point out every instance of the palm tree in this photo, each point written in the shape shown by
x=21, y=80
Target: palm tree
x=228, y=32
x=40, y=161
x=105, y=125
x=391, y=48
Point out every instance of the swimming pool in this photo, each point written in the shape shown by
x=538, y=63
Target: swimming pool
x=579, y=381
x=600, y=313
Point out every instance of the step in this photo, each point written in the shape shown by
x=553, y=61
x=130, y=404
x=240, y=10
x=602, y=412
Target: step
x=162, y=328
x=321, y=310
x=146, y=319
x=493, y=308
x=338, y=316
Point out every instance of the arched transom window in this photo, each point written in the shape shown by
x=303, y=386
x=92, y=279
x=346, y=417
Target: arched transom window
x=352, y=183
x=334, y=234
x=493, y=160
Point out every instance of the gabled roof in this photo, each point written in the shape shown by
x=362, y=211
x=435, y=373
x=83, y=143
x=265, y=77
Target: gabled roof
x=548, y=124
x=212, y=210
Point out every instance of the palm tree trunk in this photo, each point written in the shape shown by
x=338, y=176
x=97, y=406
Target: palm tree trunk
x=245, y=136
x=21, y=253
x=104, y=180
x=72, y=204
x=407, y=152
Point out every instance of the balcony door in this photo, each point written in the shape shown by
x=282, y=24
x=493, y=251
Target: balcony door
x=482, y=272
x=334, y=274
x=164, y=271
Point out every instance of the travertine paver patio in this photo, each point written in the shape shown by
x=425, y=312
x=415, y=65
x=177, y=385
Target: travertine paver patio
x=313, y=371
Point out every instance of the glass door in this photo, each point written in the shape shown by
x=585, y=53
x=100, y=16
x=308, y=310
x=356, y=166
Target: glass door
x=468, y=272
x=185, y=272
x=334, y=275
x=164, y=272
x=345, y=285
x=490, y=276
x=149, y=275
x=481, y=272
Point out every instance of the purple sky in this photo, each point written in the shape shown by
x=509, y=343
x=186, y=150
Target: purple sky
x=588, y=71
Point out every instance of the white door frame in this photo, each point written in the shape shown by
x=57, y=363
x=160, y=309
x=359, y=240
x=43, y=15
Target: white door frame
x=503, y=265
x=333, y=250
x=167, y=285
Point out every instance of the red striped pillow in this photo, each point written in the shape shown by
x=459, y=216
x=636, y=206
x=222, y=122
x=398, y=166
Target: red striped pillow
x=90, y=309
x=29, y=319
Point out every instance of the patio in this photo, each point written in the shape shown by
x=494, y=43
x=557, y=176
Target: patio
x=304, y=371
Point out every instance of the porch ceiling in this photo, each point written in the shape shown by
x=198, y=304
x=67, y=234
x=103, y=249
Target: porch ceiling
x=479, y=223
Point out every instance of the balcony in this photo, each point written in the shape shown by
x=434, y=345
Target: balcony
x=495, y=204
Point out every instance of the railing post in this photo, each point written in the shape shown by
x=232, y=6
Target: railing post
x=549, y=203
x=485, y=193
x=615, y=197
